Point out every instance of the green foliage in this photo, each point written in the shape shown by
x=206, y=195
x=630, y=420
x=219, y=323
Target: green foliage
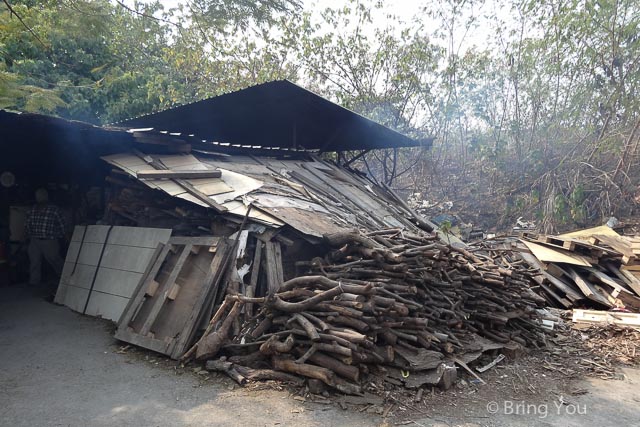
x=542, y=110
x=445, y=226
x=241, y=14
x=101, y=62
x=17, y=96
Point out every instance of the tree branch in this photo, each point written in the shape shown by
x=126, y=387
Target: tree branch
x=13, y=12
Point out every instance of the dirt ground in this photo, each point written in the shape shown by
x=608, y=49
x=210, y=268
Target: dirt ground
x=63, y=369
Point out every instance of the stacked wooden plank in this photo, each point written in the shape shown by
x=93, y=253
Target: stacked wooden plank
x=594, y=268
x=188, y=178
x=389, y=306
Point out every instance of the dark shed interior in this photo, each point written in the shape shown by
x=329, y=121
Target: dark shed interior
x=60, y=156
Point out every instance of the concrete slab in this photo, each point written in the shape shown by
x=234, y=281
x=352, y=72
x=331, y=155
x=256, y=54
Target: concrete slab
x=122, y=260
x=116, y=282
x=138, y=236
x=127, y=258
x=60, y=368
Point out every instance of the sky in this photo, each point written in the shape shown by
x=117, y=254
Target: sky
x=407, y=10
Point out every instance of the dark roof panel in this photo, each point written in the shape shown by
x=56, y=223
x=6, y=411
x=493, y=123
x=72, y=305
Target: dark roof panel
x=52, y=147
x=275, y=114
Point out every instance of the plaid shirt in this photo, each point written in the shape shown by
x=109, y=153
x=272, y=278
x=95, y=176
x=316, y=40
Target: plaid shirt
x=45, y=222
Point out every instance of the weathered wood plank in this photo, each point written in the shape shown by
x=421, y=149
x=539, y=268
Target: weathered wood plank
x=273, y=266
x=174, y=174
x=587, y=288
x=162, y=296
x=546, y=254
x=210, y=284
x=631, y=279
x=195, y=241
x=255, y=275
x=595, y=316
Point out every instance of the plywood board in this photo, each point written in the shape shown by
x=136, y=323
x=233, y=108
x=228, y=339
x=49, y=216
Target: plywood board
x=96, y=233
x=126, y=160
x=170, y=187
x=238, y=208
x=588, y=232
x=241, y=185
x=189, y=198
x=176, y=174
x=181, y=161
x=138, y=236
x=307, y=222
x=76, y=298
x=90, y=253
x=546, y=254
x=211, y=188
x=81, y=276
x=73, y=251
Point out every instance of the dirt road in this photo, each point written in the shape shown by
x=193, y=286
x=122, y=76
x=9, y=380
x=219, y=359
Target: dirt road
x=63, y=369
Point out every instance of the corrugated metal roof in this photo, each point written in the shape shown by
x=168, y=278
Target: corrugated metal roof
x=52, y=148
x=275, y=114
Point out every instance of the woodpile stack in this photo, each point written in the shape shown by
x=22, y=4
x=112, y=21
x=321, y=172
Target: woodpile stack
x=387, y=306
x=131, y=203
x=593, y=268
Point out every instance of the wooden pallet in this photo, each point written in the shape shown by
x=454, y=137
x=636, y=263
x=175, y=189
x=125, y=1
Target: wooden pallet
x=629, y=247
x=171, y=297
x=578, y=246
x=606, y=317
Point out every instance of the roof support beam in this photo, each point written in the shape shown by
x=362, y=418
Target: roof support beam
x=362, y=154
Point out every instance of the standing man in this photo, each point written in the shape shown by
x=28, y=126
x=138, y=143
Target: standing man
x=44, y=226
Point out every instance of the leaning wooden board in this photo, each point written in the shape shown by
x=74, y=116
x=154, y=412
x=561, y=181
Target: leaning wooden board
x=168, y=303
x=103, y=267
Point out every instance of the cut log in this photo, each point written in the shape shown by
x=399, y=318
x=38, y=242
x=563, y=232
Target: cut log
x=307, y=326
x=210, y=345
x=304, y=369
x=273, y=346
x=221, y=365
x=347, y=371
x=267, y=374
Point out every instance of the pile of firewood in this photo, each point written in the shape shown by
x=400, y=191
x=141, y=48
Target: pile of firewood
x=375, y=304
